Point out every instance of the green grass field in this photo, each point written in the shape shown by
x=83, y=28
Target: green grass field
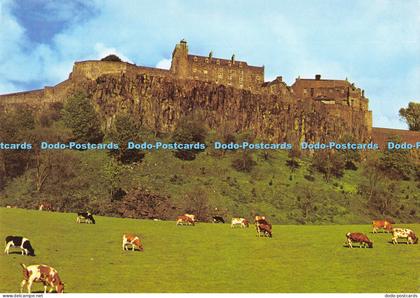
x=206, y=258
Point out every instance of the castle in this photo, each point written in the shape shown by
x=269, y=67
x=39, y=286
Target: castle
x=227, y=90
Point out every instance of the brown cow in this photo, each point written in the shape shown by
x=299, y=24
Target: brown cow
x=184, y=220
x=134, y=241
x=381, y=224
x=263, y=229
x=41, y=273
x=358, y=237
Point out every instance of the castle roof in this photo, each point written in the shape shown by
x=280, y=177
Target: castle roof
x=223, y=62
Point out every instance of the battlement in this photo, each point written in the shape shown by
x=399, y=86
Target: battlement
x=92, y=69
x=226, y=72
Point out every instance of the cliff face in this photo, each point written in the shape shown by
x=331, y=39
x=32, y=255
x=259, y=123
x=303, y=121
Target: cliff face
x=160, y=102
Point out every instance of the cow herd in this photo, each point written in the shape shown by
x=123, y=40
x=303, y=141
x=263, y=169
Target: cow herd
x=49, y=277
x=385, y=226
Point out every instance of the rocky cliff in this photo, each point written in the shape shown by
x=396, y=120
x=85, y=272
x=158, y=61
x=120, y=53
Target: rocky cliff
x=159, y=101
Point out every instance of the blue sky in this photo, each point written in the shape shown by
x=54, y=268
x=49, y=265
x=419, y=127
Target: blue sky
x=375, y=44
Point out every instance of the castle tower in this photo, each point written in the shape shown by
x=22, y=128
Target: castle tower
x=179, y=65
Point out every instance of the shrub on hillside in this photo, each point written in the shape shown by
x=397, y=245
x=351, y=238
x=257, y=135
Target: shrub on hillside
x=244, y=163
x=190, y=130
x=142, y=203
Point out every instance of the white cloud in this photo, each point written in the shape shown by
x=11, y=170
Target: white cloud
x=164, y=64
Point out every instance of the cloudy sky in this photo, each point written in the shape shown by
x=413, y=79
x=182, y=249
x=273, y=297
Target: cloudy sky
x=375, y=44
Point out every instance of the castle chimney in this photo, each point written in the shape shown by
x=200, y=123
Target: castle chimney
x=279, y=78
x=317, y=77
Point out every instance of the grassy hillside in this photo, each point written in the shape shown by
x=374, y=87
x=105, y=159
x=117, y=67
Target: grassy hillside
x=270, y=188
x=206, y=258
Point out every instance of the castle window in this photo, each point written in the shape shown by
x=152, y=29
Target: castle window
x=195, y=59
x=305, y=91
x=207, y=60
x=218, y=61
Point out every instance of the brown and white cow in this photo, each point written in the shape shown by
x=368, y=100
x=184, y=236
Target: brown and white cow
x=264, y=230
x=192, y=216
x=184, y=220
x=404, y=233
x=381, y=224
x=360, y=238
x=133, y=240
x=263, y=227
x=41, y=273
x=239, y=222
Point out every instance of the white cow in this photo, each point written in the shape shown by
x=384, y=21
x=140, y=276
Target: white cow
x=239, y=222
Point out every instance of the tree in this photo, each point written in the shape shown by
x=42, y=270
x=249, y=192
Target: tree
x=294, y=154
x=412, y=115
x=80, y=116
x=13, y=126
x=244, y=163
x=306, y=202
x=328, y=163
x=376, y=188
x=125, y=130
x=111, y=57
x=141, y=203
x=351, y=157
x=190, y=129
x=44, y=161
x=396, y=164
x=197, y=202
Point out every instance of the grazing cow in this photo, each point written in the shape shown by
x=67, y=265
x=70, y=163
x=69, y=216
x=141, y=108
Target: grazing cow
x=358, y=237
x=18, y=241
x=265, y=230
x=45, y=207
x=239, y=222
x=41, y=273
x=404, y=233
x=134, y=241
x=184, y=220
x=381, y=224
x=263, y=227
x=192, y=216
x=264, y=222
x=86, y=217
x=218, y=219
